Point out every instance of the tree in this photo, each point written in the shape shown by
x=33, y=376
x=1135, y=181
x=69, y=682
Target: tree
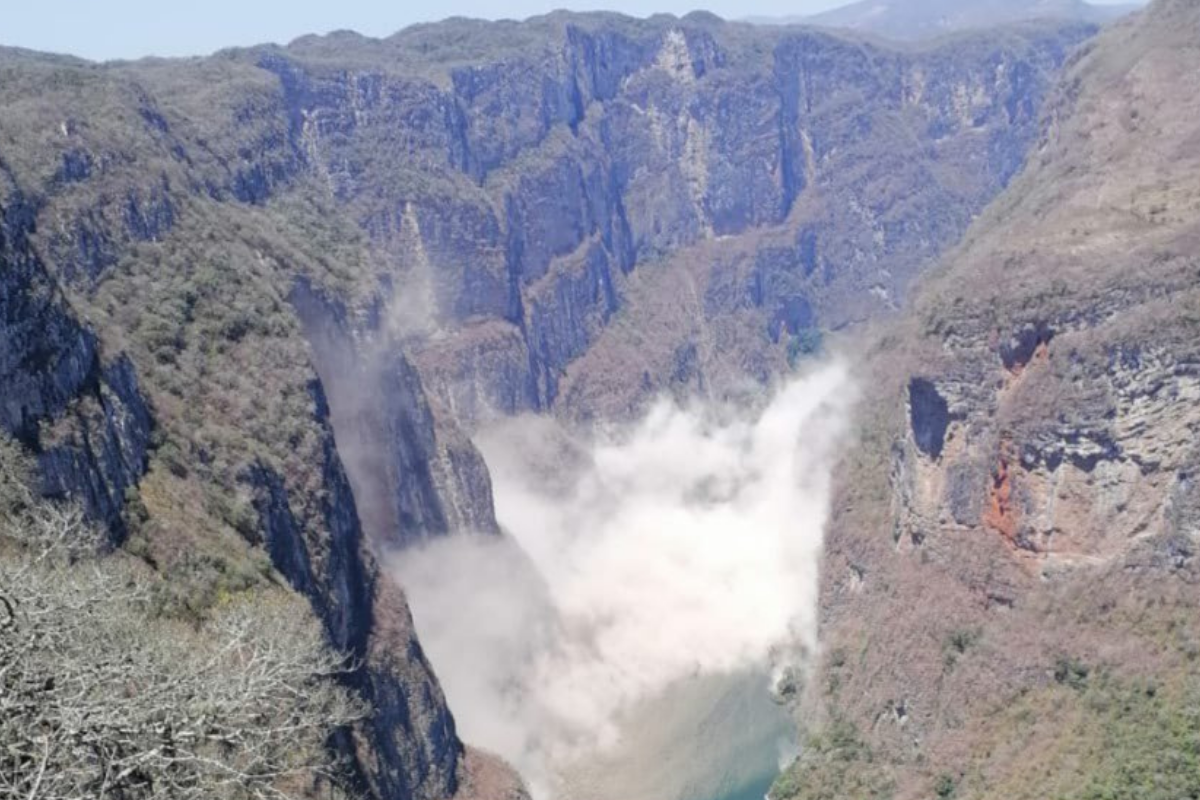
x=100, y=697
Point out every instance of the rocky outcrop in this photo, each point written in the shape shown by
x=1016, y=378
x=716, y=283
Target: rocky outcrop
x=407, y=748
x=48, y=356
x=1040, y=404
x=86, y=420
x=414, y=476
x=98, y=450
x=534, y=182
x=1024, y=345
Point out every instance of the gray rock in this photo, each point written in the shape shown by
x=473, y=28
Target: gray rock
x=52, y=374
x=929, y=416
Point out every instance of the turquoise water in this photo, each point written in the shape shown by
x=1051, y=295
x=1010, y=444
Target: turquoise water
x=755, y=791
x=716, y=737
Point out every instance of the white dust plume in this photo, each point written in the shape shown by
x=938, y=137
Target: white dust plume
x=681, y=549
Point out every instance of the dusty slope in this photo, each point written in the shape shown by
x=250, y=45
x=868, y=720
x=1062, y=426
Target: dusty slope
x=1010, y=591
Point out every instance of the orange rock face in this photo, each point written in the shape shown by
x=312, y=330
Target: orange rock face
x=1000, y=513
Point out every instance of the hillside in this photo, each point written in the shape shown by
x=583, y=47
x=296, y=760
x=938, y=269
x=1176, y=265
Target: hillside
x=1025, y=486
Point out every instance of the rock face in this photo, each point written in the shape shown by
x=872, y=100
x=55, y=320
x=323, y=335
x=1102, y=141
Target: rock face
x=187, y=414
x=515, y=196
x=252, y=305
x=413, y=476
x=86, y=420
x=1075, y=383
x=408, y=747
x=1042, y=410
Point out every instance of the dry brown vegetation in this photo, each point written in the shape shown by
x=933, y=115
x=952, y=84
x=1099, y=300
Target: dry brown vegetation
x=974, y=652
x=102, y=695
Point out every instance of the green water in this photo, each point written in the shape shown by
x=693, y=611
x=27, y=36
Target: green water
x=708, y=738
x=755, y=791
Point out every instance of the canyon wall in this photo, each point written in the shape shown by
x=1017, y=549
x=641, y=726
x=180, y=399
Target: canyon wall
x=1024, y=488
x=253, y=305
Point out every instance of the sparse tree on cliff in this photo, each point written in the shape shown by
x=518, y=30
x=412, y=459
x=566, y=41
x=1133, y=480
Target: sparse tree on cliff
x=102, y=698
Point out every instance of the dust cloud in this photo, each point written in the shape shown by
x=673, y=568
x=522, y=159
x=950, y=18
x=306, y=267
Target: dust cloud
x=648, y=576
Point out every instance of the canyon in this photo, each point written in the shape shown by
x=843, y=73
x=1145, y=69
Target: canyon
x=260, y=310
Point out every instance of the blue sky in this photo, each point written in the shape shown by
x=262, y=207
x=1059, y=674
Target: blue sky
x=102, y=29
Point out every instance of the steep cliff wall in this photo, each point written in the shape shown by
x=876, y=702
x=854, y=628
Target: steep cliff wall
x=251, y=302
x=152, y=360
x=514, y=177
x=85, y=419
x=1032, y=457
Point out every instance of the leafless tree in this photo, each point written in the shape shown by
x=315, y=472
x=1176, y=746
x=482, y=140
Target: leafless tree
x=102, y=698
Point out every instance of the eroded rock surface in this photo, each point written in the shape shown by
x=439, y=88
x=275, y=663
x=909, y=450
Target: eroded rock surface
x=1041, y=560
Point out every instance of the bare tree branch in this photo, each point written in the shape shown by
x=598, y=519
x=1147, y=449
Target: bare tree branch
x=101, y=698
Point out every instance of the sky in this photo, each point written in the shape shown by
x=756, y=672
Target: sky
x=105, y=29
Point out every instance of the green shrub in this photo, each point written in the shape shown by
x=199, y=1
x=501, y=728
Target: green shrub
x=834, y=764
x=1071, y=672
x=957, y=643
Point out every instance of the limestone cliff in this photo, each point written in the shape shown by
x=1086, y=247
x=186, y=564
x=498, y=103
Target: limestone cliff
x=86, y=419
x=151, y=362
x=513, y=179
x=1006, y=592
x=250, y=303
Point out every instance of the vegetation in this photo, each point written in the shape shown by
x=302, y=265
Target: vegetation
x=835, y=763
x=1111, y=739
x=958, y=642
x=1071, y=672
x=102, y=696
